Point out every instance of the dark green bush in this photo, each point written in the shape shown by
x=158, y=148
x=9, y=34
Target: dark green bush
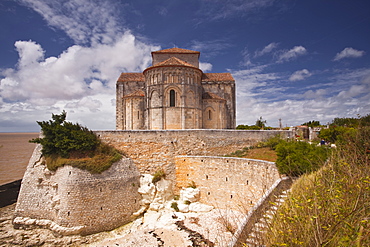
x=297, y=158
x=158, y=175
x=65, y=143
x=65, y=138
x=174, y=205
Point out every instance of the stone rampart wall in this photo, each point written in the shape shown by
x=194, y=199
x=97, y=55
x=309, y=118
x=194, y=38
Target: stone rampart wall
x=74, y=201
x=154, y=149
x=228, y=183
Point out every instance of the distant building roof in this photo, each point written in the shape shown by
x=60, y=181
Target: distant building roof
x=217, y=77
x=176, y=50
x=131, y=77
x=209, y=95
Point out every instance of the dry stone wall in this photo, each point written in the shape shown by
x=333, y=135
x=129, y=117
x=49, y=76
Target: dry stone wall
x=74, y=201
x=224, y=182
x=154, y=149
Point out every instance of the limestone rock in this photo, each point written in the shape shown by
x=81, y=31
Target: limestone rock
x=184, y=208
x=189, y=194
x=147, y=189
x=199, y=207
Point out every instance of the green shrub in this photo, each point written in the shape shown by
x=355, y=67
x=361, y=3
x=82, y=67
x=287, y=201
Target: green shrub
x=64, y=138
x=297, y=158
x=336, y=134
x=192, y=185
x=174, y=205
x=65, y=143
x=272, y=142
x=158, y=175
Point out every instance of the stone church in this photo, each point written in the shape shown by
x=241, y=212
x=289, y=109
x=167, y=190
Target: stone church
x=174, y=93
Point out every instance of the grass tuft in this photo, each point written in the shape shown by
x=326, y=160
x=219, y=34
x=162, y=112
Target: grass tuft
x=94, y=162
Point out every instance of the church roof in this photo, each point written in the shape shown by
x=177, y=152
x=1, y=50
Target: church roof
x=138, y=93
x=209, y=95
x=173, y=61
x=217, y=77
x=131, y=77
x=176, y=50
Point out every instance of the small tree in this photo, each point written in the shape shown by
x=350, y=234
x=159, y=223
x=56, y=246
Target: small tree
x=64, y=138
x=261, y=123
x=65, y=143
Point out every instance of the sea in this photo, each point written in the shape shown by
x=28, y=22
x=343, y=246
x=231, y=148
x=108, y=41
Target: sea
x=15, y=152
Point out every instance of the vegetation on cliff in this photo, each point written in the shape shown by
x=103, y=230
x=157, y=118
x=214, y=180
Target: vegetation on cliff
x=65, y=143
x=330, y=207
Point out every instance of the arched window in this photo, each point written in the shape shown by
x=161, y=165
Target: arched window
x=209, y=114
x=172, y=98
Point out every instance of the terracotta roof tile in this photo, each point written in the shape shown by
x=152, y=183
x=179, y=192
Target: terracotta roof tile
x=173, y=61
x=209, y=95
x=131, y=77
x=176, y=50
x=217, y=77
x=138, y=93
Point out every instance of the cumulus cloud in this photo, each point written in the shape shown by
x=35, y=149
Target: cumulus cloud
x=205, y=66
x=291, y=54
x=267, y=49
x=346, y=94
x=82, y=78
x=300, y=75
x=348, y=52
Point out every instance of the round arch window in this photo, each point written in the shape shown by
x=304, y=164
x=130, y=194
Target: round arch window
x=172, y=98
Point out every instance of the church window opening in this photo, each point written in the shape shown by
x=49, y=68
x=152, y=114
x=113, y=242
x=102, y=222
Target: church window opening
x=172, y=98
x=209, y=114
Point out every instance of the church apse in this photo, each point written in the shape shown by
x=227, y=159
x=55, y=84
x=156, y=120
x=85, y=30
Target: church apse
x=174, y=93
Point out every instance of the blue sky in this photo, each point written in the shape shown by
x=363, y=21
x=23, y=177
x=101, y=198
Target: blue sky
x=292, y=60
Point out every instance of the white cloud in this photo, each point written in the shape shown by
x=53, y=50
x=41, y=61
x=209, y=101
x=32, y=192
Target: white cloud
x=85, y=21
x=300, y=75
x=81, y=80
x=210, y=48
x=265, y=94
x=30, y=53
x=246, y=61
x=348, y=52
x=219, y=9
x=292, y=54
x=205, y=66
x=267, y=49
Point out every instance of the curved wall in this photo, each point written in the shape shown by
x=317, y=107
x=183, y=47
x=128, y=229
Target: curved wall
x=74, y=201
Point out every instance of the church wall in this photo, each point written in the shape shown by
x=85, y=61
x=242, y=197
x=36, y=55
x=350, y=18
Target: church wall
x=224, y=182
x=134, y=107
x=173, y=118
x=225, y=90
x=122, y=89
x=156, y=119
x=214, y=114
